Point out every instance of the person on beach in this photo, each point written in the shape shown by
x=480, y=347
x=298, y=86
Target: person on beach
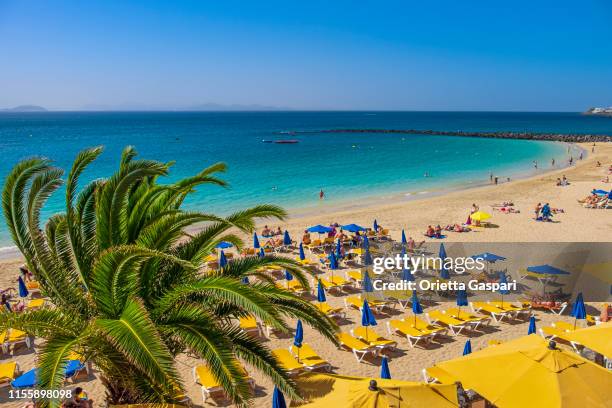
x=321, y=194
x=546, y=212
x=438, y=231
x=26, y=275
x=538, y=208
x=266, y=231
x=496, y=180
x=279, y=231
x=580, y=155
x=474, y=208
x=306, y=238
x=552, y=162
x=571, y=160
x=430, y=232
x=79, y=399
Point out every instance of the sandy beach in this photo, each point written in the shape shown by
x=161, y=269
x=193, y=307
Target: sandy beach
x=575, y=224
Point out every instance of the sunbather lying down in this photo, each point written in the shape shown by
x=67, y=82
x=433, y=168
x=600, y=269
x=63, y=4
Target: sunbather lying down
x=507, y=210
x=457, y=228
x=503, y=204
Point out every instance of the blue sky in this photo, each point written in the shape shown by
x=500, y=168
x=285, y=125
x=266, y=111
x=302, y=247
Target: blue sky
x=396, y=55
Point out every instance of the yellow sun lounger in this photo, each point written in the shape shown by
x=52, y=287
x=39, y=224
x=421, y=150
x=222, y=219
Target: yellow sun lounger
x=309, y=358
x=8, y=372
x=203, y=376
x=292, y=286
x=359, y=348
x=287, y=361
x=330, y=311
x=35, y=304
x=455, y=325
x=557, y=330
x=509, y=307
x=355, y=276
x=411, y=333
x=12, y=338
x=496, y=313
x=369, y=336
x=356, y=302
x=466, y=316
x=249, y=325
x=316, y=244
x=304, y=261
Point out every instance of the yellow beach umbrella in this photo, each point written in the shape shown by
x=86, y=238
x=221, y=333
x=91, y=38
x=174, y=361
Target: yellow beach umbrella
x=597, y=338
x=480, y=216
x=329, y=390
x=527, y=372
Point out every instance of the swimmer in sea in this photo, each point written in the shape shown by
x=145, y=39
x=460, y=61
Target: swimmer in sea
x=321, y=194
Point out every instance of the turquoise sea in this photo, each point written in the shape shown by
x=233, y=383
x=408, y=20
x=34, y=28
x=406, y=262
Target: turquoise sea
x=348, y=167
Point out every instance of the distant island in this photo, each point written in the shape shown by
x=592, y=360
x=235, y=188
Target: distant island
x=600, y=111
x=25, y=108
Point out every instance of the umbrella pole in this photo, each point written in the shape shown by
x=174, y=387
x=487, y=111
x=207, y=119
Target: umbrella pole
x=367, y=333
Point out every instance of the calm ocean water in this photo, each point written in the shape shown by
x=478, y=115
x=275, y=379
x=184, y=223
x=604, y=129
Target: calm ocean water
x=347, y=166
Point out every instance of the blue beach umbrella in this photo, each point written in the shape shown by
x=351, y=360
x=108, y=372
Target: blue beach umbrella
x=224, y=245
x=407, y=275
x=302, y=254
x=261, y=253
x=532, y=325
x=443, y=271
x=286, y=238
x=367, y=317
x=288, y=277
x=222, y=260
x=28, y=379
x=320, y=292
x=319, y=229
x=462, y=299
x=367, y=258
x=578, y=309
x=366, y=242
x=333, y=261
x=404, y=240
x=416, y=306
x=467, y=349
x=488, y=257
x=442, y=252
x=23, y=291
x=367, y=282
x=503, y=280
x=299, y=337
x=255, y=241
x=375, y=225
x=353, y=228
x=384, y=369
x=245, y=280
x=599, y=192
x=547, y=270
x=278, y=399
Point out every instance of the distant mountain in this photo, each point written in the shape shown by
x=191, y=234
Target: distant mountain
x=25, y=108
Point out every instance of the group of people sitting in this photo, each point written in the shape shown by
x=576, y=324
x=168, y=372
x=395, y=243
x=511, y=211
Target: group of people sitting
x=270, y=232
x=545, y=212
x=434, y=232
x=457, y=228
x=562, y=182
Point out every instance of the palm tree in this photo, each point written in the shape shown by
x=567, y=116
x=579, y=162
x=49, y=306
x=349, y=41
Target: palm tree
x=126, y=282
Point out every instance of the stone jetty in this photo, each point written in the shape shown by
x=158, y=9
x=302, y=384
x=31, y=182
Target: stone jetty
x=556, y=137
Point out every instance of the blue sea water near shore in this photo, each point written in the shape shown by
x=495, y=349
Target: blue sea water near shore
x=348, y=167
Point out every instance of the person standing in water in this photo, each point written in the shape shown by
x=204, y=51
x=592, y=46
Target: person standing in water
x=552, y=162
x=321, y=194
